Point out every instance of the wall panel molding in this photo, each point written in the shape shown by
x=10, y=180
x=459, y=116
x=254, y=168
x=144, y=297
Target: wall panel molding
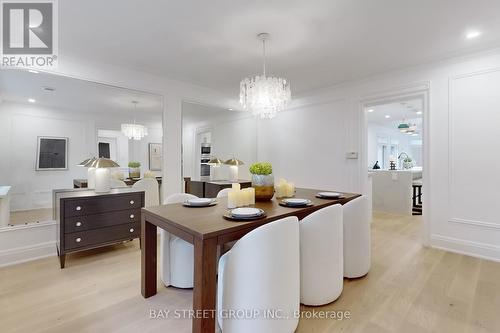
x=469, y=248
x=453, y=217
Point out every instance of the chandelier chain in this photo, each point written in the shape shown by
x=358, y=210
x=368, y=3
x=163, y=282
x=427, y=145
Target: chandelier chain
x=264, y=55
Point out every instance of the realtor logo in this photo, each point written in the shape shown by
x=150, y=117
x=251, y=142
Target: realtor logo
x=29, y=33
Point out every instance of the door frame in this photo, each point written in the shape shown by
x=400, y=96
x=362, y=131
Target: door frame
x=416, y=90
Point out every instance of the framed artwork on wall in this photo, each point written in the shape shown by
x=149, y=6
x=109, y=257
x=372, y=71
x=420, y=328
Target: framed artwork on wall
x=155, y=156
x=52, y=153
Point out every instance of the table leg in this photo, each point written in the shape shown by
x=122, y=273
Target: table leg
x=148, y=258
x=205, y=284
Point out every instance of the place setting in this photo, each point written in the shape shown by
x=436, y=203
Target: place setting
x=295, y=203
x=244, y=214
x=200, y=202
x=330, y=195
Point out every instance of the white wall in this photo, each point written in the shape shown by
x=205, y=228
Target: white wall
x=233, y=134
x=21, y=124
x=308, y=144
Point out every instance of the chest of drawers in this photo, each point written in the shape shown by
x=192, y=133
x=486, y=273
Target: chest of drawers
x=87, y=220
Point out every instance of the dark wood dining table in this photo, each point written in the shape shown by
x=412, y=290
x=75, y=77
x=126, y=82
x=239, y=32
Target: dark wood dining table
x=207, y=229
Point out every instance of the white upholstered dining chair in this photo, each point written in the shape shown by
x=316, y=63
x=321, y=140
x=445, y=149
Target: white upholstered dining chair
x=224, y=192
x=261, y=272
x=321, y=256
x=117, y=183
x=177, y=255
x=357, y=238
x=151, y=191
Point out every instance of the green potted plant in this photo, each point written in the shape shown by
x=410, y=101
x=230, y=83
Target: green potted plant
x=262, y=180
x=407, y=163
x=134, y=169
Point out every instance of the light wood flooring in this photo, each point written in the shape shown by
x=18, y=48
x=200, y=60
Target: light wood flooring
x=409, y=289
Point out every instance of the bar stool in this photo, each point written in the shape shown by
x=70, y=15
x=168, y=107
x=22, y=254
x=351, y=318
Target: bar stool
x=417, y=196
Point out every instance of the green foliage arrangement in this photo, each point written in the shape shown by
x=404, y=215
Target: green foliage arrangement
x=134, y=164
x=261, y=168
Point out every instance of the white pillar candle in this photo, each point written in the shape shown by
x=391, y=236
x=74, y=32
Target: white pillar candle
x=241, y=199
x=233, y=173
x=290, y=190
x=102, y=180
x=246, y=197
x=91, y=178
x=236, y=186
x=251, y=190
x=231, y=199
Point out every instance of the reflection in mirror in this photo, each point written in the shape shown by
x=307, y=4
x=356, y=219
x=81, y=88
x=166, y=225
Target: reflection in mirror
x=210, y=133
x=49, y=124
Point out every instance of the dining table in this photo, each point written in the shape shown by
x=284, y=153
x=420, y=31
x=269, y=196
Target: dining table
x=207, y=229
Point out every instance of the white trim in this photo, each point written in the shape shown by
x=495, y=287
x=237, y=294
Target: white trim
x=27, y=253
x=465, y=247
x=26, y=242
x=421, y=90
x=480, y=224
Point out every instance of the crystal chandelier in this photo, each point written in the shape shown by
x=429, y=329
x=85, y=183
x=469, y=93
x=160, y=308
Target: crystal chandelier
x=262, y=95
x=134, y=131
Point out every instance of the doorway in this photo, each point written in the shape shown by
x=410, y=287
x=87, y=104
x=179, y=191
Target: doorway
x=395, y=152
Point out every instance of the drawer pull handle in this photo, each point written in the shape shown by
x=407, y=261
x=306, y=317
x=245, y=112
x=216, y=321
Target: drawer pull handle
x=132, y=202
x=78, y=240
x=131, y=229
x=78, y=224
x=78, y=208
x=132, y=216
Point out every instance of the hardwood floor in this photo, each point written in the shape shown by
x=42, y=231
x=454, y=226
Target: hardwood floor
x=409, y=289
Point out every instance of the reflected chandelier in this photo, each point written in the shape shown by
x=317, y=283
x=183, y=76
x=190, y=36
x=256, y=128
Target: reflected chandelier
x=262, y=95
x=134, y=131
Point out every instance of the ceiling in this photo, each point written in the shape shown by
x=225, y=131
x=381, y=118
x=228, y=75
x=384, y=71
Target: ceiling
x=193, y=113
x=397, y=111
x=313, y=43
x=74, y=94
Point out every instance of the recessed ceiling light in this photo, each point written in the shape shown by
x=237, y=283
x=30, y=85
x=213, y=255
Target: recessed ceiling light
x=419, y=112
x=230, y=109
x=31, y=100
x=387, y=116
x=370, y=110
x=472, y=34
x=33, y=71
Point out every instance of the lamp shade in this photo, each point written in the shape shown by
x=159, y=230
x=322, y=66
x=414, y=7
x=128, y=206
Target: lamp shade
x=234, y=161
x=104, y=163
x=215, y=161
x=84, y=162
x=403, y=127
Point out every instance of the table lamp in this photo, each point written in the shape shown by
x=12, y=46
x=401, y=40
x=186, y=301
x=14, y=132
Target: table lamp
x=215, y=164
x=102, y=174
x=233, y=168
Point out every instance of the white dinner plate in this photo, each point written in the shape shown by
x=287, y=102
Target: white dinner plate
x=246, y=212
x=199, y=201
x=329, y=194
x=296, y=202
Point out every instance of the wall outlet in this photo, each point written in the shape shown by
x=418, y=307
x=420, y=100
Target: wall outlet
x=352, y=155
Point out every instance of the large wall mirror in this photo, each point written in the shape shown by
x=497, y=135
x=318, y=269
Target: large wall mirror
x=50, y=123
x=212, y=133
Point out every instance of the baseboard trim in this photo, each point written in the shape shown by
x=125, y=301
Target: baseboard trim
x=465, y=247
x=27, y=253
